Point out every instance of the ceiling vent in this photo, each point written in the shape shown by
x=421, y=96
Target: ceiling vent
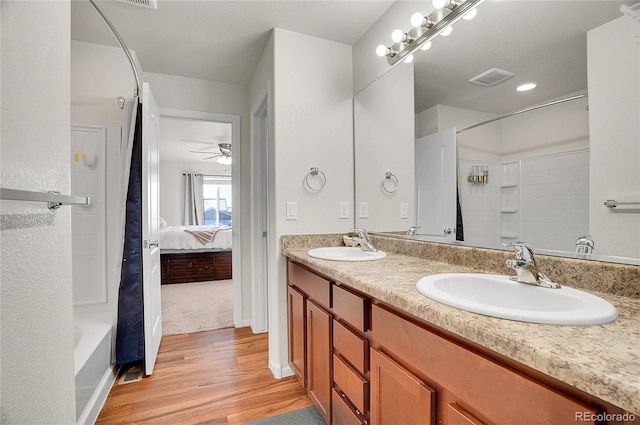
x=491, y=77
x=148, y=4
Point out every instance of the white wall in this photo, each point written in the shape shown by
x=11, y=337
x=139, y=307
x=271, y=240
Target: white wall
x=172, y=185
x=614, y=92
x=99, y=74
x=384, y=123
x=313, y=128
x=384, y=142
x=36, y=303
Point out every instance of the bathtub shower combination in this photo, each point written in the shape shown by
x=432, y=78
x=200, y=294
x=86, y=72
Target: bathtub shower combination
x=93, y=367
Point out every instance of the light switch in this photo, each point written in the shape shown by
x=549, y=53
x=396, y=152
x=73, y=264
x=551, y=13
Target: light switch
x=404, y=210
x=363, y=210
x=292, y=210
x=344, y=210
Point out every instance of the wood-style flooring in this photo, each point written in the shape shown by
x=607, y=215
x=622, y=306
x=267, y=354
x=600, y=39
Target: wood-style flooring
x=209, y=377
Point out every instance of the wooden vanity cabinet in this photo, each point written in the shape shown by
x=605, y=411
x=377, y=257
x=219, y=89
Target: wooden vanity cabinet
x=364, y=362
x=310, y=326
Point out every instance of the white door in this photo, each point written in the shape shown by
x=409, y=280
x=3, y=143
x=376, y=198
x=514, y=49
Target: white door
x=150, y=237
x=435, y=171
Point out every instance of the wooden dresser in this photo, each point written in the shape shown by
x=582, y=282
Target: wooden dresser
x=195, y=266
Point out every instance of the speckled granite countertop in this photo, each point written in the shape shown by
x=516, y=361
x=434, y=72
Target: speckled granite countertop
x=601, y=360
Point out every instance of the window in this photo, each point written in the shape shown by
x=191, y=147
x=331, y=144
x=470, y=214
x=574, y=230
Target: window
x=217, y=200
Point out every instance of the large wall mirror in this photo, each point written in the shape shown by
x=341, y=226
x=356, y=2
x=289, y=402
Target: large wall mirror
x=540, y=176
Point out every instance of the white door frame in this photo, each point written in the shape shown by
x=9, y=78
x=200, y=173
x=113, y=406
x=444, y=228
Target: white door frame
x=260, y=212
x=236, y=261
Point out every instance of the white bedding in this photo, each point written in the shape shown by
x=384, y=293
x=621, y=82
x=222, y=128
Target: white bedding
x=175, y=237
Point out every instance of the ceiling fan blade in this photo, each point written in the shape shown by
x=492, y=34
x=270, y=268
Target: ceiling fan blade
x=204, y=152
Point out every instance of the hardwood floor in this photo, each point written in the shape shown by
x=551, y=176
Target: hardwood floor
x=209, y=377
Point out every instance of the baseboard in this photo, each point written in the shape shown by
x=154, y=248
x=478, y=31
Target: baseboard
x=279, y=371
x=97, y=400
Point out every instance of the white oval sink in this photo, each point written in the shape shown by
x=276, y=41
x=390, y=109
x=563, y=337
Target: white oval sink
x=345, y=253
x=498, y=296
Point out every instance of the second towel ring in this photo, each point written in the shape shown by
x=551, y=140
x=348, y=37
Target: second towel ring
x=313, y=172
x=389, y=177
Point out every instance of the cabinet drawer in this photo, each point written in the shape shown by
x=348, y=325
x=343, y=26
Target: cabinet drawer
x=458, y=416
x=350, y=382
x=351, y=347
x=495, y=391
x=342, y=412
x=350, y=307
x=314, y=286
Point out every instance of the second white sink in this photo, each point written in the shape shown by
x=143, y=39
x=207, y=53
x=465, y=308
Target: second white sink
x=498, y=296
x=345, y=253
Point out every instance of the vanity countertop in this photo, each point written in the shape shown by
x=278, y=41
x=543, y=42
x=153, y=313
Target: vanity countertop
x=601, y=360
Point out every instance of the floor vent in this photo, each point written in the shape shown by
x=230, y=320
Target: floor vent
x=148, y=4
x=132, y=374
x=491, y=77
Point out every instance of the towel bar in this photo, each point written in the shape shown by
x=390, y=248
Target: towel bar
x=611, y=203
x=53, y=199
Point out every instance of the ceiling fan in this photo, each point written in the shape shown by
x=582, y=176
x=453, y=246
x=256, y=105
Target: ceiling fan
x=224, y=156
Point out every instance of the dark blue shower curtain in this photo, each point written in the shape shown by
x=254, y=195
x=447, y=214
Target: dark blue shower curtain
x=130, y=328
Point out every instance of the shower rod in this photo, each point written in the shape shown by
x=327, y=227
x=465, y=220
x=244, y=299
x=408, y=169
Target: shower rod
x=122, y=44
x=520, y=111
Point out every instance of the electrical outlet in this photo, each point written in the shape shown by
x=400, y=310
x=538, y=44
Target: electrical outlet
x=344, y=210
x=363, y=210
x=292, y=210
x=404, y=210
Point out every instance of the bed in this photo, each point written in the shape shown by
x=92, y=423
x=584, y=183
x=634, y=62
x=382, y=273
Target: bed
x=195, y=253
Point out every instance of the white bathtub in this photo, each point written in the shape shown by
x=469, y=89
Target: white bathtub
x=95, y=373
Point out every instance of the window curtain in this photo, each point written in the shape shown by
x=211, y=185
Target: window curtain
x=193, y=200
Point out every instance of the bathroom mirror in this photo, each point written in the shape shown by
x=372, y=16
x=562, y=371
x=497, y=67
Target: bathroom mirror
x=549, y=170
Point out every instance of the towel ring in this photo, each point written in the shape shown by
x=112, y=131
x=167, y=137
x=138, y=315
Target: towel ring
x=389, y=177
x=313, y=172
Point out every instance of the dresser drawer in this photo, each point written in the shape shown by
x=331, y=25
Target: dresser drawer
x=350, y=346
x=342, y=412
x=434, y=356
x=350, y=383
x=312, y=285
x=350, y=307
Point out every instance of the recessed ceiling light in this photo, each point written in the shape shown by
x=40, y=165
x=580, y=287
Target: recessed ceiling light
x=526, y=87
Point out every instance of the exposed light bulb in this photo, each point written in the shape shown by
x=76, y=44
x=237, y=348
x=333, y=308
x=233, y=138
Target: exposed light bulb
x=470, y=14
x=426, y=46
x=447, y=31
x=439, y=4
x=526, y=87
x=408, y=59
x=397, y=36
x=417, y=19
x=381, y=50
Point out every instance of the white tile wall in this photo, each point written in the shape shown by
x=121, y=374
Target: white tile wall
x=555, y=200
x=89, y=223
x=479, y=204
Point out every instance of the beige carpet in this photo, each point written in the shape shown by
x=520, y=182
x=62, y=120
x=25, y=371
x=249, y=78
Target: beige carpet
x=197, y=306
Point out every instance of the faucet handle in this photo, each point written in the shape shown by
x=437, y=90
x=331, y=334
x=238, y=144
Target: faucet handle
x=361, y=233
x=524, y=251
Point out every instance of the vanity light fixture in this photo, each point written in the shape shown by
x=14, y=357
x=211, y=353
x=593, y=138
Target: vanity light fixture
x=526, y=87
x=426, y=27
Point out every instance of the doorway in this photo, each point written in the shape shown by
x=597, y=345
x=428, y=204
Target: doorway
x=225, y=123
x=260, y=213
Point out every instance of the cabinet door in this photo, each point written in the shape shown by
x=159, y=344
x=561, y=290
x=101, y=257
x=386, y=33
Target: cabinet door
x=297, y=334
x=397, y=396
x=319, y=358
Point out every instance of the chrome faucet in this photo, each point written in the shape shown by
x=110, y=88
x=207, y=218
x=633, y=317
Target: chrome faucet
x=412, y=231
x=363, y=240
x=526, y=267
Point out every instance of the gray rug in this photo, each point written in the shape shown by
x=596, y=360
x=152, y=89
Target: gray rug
x=305, y=416
x=198, y=306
